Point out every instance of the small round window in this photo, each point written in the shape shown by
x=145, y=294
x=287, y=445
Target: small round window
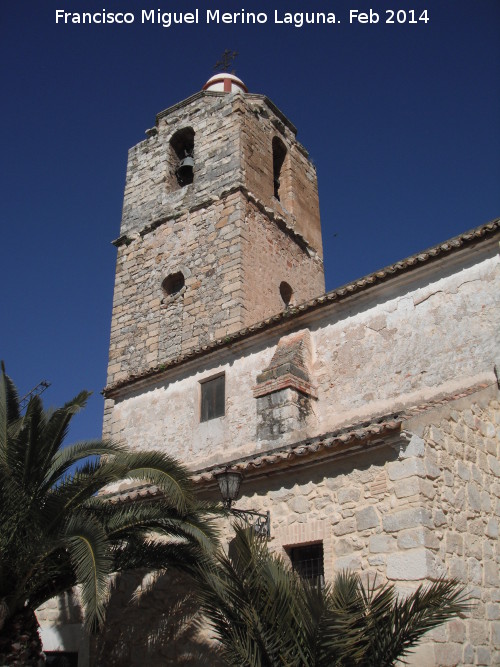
x=173, y=283
x=286, y=293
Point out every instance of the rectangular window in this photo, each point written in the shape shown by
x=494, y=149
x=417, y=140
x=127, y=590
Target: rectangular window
x=213, y=398
x=307, y=561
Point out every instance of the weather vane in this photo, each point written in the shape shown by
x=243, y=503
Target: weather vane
x=224, y=63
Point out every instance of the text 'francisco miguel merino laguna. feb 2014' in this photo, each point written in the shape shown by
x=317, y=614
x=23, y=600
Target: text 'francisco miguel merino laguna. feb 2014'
x=215, y=16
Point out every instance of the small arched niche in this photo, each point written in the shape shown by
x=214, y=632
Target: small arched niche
x=286, y=293
x=182, y=157
x=173, y=283
x=279, y=155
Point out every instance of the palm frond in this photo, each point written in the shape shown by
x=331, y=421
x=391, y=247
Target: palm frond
x=44, y=486
x=56, y=428
x=92, y=560
x=264, y=614
x=10, y=413
x=403, y=625
x=65, y=459
x=159, y=469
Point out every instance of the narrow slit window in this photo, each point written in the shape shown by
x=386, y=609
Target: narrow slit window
x=286, y=293
x=279, y=154
x=213, y=398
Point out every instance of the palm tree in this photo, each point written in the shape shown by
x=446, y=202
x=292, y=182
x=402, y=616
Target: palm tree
x=56, y=531
x=266, y=616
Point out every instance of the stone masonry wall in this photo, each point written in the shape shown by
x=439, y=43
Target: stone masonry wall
x=148, y=326
x=424, y=504
x=271, y=256
x=230, y=247
x=461, y=484
x=427, y=506
x=233, y=259
x=151, y=192
x=232, y=147
x=299, y=203
x=397, y=346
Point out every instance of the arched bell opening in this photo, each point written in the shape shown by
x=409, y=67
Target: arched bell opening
x=182, y=149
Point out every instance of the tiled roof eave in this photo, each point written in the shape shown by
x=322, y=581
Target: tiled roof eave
x=377, y=431
x=308, y=452
x=406, y=265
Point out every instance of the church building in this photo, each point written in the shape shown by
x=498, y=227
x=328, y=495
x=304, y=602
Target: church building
x=365, y=420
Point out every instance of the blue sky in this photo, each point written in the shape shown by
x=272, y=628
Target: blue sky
x=401, y=120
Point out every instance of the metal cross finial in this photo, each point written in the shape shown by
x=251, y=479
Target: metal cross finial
x=224, y=63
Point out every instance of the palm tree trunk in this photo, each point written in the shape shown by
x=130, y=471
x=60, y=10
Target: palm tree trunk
x=20, y=643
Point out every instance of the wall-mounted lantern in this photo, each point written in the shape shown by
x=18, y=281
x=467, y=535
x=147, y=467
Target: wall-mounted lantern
x=229, y=482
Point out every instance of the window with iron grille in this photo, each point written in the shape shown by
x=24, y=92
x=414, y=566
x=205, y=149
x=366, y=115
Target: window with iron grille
x=213, y=398
x=307, y=561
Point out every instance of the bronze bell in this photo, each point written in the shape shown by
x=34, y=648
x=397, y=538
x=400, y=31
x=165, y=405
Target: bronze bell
x=185, y=170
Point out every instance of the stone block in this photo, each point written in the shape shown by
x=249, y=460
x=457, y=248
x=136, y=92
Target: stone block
x=456, y=630
x=406, y=468
x=491, y=573
x=417, y=537
x=414, y=565
x=469, y=654
x=381, y=543
x=367, y=518
x=493, y=611
x=404, y=488
x=344, y=546
x=410, y=518
x=347, y=563
x=474, y=497
x=345, y=527
x=478, y=632
x=448, y=655
x=348, y=494
x=463, y=471
x=440, y=518
x=432, y=470
x=475, y=571
x=483, y=656
x=454, y=543
x=458, y=568
x=495, y=634
x=416, y=447
x=494, y=464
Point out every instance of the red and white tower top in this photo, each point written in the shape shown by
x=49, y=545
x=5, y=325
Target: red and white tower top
x=225, y=83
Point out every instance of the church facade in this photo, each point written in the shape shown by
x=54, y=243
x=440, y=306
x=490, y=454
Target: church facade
x=365, y=420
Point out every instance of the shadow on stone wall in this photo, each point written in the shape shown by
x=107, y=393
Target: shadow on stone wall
x=153, y=621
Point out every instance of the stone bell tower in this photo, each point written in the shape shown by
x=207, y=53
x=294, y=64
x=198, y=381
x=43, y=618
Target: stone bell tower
x=220, y=227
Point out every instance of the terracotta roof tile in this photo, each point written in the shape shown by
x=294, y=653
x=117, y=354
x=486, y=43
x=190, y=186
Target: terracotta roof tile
x=366, y=432
x=467, y=238
x=369, y=432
